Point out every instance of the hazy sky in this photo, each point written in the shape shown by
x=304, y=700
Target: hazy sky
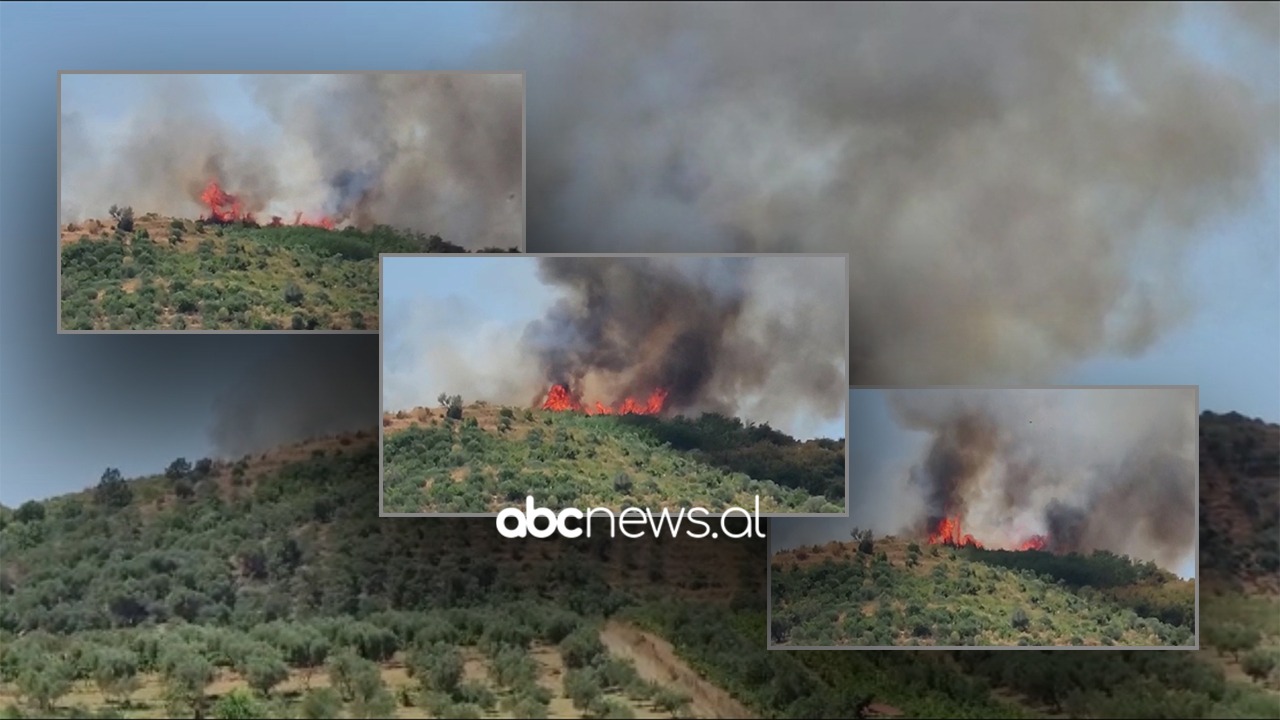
x=72, y=405
x=454, y=324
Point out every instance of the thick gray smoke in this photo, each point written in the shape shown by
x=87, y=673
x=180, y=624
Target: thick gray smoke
x=440, y=153
x=762, y=337
x=310, y=387
x=1090, y=470
x=1017, y=184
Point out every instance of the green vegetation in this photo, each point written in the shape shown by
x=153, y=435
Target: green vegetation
x=843, y=595
x=254, y=596
x=481, y=459
x=152, y=273
x=1240, y=506
x=134, y=599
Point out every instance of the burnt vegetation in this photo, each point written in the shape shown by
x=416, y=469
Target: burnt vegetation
x=153, y=273
x=137, y=599
x=482, y=458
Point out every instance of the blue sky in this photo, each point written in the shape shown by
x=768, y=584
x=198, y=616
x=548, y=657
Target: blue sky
x=103, y=101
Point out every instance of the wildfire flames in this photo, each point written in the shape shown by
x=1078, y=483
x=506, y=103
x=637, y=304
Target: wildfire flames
x=225, y=208
x=947, y=532
x=561, y=400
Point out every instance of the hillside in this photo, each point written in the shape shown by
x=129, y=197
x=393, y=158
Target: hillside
x=493, y=457
x=1240, y=501
x=169, y=273
x=282, y=556
x=888, y=591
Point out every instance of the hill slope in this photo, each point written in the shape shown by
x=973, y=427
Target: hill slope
x=494, y=457
x=169, y=273
x=286, y=549
x=893, y=592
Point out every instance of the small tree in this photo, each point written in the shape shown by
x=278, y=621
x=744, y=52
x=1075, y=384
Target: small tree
x=43, y=679
x=29, y=511
x=671, y=701
x=1258, y=664
x=237, y=705
x=116, y=673
x=293, y=294
x=1237, y=638
x=123, y=217
x=1020, y=620
x=452, y=404
x=178, y=469
x=112, y=490
x=187, y=675
x=321, y=704
x=265, y=670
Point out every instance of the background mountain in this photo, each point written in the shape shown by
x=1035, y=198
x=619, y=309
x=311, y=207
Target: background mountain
x=226, y=588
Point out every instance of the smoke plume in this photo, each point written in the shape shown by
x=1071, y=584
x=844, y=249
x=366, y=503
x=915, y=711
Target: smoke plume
x=440, y=153
x=310, y=387
x=1017, y=184
x=754, y=336
x=1086, y=470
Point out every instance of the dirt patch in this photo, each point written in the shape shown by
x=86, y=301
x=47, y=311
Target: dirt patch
x=656, y=661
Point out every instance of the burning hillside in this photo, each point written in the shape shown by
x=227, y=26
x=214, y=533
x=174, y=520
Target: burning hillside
x=946, y=531
x=740, y=336
x=644, y=336
x=560, y=399
x=1064, y=471
x=428, y=152
x=225, y=208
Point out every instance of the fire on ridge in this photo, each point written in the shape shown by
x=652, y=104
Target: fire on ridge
x=947, y=532
x=225, y=208
x=559, y=399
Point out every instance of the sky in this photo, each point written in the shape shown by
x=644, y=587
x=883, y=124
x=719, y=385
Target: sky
x=444, y=316
x=883, y=452
x=72, y=405
x=448, y=322
x=104, y=101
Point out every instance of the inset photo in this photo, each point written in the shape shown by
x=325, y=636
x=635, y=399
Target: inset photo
x=260, y=202
x=1005, y=518
x=680, y=382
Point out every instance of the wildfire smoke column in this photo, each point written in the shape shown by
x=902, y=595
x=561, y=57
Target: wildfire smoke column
x=1065, y=470
x=690, y=334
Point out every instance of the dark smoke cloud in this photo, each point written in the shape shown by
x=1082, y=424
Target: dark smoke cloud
x=310, y=387
x=1017, y=184
x=435, y=152
x=743, y=336
x=1106, y=469
x=651, y=322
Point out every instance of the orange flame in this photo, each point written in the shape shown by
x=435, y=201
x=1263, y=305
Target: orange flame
x=226, y=208
x=948, y=532
x=560, y=399
x=1035, y=542
x=223, y=206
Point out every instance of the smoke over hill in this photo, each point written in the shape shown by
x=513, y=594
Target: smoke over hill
x=433, y=152
x=1069, y=470
x=1017, y=184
